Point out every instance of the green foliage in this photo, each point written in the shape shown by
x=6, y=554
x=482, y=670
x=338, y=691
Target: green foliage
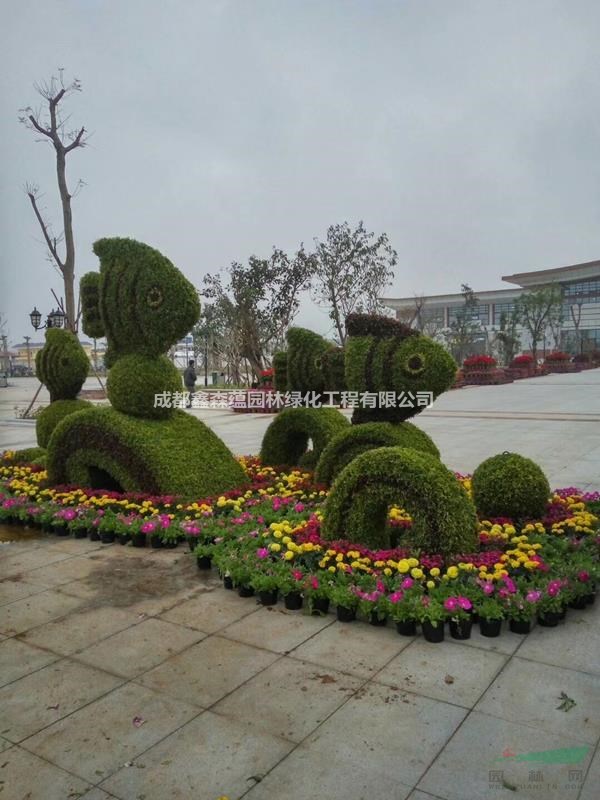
x=510, y=485
x=62, y=365
x=280, y=370
x=443, y=516
x=286, y=439
x=145, y=303
x=29, y=455
x=89, y=291
x=384, y=355
x=134, y=380
x=49, y=417
x=332, y=364
x=103, y=448
x=305, y=350
x=350, y=443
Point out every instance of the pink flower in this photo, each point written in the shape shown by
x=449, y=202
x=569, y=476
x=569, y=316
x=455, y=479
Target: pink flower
x=396, y=597
x=583, y=576
x=465, y=603
x=299, y=507
x=148, y=527
x=510, y=584
x=314, y=582
x=488, y=588
x=297, y=575
x=407, y=583
x=262, y=552
x=165, y=521
x=533, y=596
x=451, y=604
x=553, y=588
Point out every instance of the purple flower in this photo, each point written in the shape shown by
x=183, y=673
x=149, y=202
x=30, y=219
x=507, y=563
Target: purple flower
x=533, y=596
x=262, y=552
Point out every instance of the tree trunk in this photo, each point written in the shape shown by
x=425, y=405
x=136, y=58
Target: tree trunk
x=68, y=269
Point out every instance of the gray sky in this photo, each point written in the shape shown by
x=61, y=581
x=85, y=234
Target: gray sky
x=468, y=130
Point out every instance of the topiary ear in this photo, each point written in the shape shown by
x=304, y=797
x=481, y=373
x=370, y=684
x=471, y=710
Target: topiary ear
x=89, y=291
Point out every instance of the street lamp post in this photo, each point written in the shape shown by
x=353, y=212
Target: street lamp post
x=55, y=319
x=206, y=360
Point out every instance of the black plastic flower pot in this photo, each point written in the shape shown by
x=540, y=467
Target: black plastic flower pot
x=432, y=633
x=490, y=627
x=549, y=619
x=345, y=614
x=293, y=601
x=578, y=603
x=268, y=597
x=107, y=537
x=227, y=582
x=138, y=540
x=156, y=542
x=124, y=538
x=204, y=562
x=170, y=544
x=320, y=605
x=80, y=533
x=563, y=612
x=94, y=535
x=376, y=620
x=521, y=626
x=460, y=628
x=245, y=591
x=192, y=541
x=61, y=530
x=590, y=599
x=407, y=627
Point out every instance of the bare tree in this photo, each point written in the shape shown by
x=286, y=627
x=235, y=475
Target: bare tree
x=539, y=310
x=54, y=129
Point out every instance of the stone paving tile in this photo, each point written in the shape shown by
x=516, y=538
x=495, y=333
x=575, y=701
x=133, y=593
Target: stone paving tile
x=418, y=795
x=24, y=776
x=18, y=659
x=592, y=780
x=529, y=693
x=449, y=672
x=506, y=643
x=139, y=648
x=574, y=645
x=61, y=572
x=282, y=630
x=80, y=629
x=45, y=696
x=211, y=610
x=96, y=794
x=35, y=610
x=358, y=649
x=472, y=765
x=97, y=740
x=29, y=559
x=207, y=671
x=75, y=546
x=208, y=757
x=289, y=698
x=16, y=589
x=380, y=742
x=5, y=744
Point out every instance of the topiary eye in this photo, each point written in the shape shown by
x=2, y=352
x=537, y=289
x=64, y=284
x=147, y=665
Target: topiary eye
x=414, y=364
x=155, y=297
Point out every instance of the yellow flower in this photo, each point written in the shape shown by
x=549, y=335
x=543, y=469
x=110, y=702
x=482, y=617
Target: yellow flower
x=434, y=571
x=431, y=584
x=452, y=572
x=417, y=573
x=288, y=555
x=275, y=547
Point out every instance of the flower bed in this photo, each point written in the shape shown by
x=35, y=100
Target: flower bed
x=560, y=362
x=265, y=540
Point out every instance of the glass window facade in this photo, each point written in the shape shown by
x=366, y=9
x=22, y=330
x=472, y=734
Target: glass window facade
x=502, y=308
x=481, y=312
x=588, y=290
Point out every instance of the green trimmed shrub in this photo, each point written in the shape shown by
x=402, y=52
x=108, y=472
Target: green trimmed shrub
x=62, y=365
x=133, y=382
x=89, y=291
x=510, y=485
x=280, y=371
x=144, y=303
x=384, y=355
x=443, y=515
x=303, y=365
x=103, y=448
x=29, y=455
x=350, y=443
x=286, y=439
x=332, y=365
x=49, y=417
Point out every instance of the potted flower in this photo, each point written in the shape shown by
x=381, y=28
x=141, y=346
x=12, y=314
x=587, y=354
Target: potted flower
x=459, y=608
x=265, y=583
x=290, y=583
x=316, y=591
x=343, y=596
x=550, y=603
x=479, y=362
x=204, y=554
x=491, y=614
x=402, y=610
x=521, y=607
x=431, y=614
x=372, y=602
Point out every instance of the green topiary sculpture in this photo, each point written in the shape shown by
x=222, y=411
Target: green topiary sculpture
x=286, y=439
x=62, y=366
x=143, y=305
x=304, y=372
x=444, y=519
x=510, y=485
x=351, y=442
x=280, y=371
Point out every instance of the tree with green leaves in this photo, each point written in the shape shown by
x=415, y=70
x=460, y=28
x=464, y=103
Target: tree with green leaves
x=539, y=310
x=465, y=326
x=506, y=337
x=352, y=267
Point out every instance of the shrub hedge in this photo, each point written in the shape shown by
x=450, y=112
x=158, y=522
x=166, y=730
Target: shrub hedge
x=280, y=380
x=89, y=291
x=29, y=455
x=333, y=367
x=349, y=443
x=443, y=515
x=304, y=373
x=49, y=417
x=62, y=365
x=179, y=455
x=133, y=381
x=144, y=303
x=510, y=485
x=286, y=439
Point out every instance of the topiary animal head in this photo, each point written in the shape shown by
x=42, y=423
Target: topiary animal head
x=140, y=301
x=62, y=365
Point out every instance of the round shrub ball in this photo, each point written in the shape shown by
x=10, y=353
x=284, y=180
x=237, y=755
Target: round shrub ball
x=135, y=381
x=510, y=485
x=50, y=416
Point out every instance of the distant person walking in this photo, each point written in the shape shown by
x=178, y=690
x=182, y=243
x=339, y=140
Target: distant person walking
x=189, y=380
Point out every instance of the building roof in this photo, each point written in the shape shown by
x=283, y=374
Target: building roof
x=586, y=270
x=495, y=295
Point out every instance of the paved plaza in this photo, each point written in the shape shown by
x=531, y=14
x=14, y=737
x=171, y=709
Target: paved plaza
x=129, y=674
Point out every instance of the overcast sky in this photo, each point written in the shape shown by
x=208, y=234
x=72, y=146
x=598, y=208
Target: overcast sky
x=468, y=130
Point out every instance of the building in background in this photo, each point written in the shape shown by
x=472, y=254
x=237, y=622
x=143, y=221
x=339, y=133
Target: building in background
x=580, y=285
x=22, y=356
